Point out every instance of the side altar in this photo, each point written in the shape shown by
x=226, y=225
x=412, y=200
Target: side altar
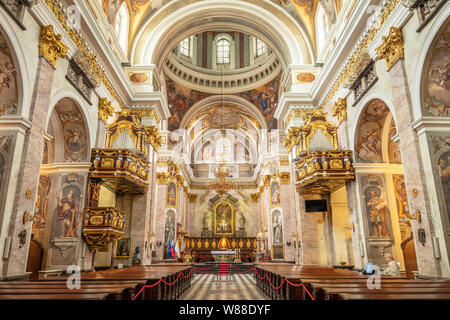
x=205, y=249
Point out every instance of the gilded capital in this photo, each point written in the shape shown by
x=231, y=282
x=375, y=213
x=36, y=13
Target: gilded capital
x=153, y=137
x=50, y=45
x=105, y=109
x=340, y=110
x=392, y=48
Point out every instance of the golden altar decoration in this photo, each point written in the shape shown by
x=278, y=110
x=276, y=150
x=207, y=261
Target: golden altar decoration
x=320, y=167
x=102, y=226
x=223, y=218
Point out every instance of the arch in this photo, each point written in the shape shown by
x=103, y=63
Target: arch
x=228, y=99
x=439, y=21
x=151, y=45
x=89, y=114
x=25, y=89
x=66, y=122
x=361, y=106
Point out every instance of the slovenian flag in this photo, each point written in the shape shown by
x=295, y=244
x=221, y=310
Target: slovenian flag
x=168, y=250
x=172, y=251
x=177, y=249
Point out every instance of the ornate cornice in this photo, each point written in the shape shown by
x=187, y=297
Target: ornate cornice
x=355, y=61
x=57, y=8
x=340, y=109
x=50, y=45
x=105, y=109
x=392, y=48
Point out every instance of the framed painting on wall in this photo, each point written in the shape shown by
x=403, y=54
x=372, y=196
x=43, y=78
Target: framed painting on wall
x=275, y=195
x=171, y=195
x=223, y=219
x=123, y=248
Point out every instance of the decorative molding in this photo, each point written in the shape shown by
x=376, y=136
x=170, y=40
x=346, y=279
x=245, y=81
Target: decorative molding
x=105, y=109
x=392, y=48
x=50, y=46
x=353, y=63
x=57, y=9
x=340, y=110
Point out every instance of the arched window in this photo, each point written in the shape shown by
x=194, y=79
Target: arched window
x=224, y=150
x=223, y=52
x=185, y=47
x=322, y=28
x=261, y=47
x=122, y=25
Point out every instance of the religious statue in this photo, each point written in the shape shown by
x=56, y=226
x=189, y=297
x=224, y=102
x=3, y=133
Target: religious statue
x=137, y=256
x=206, y=220
x=170, y=230
x=242, y=222
x=378, y=210
x=277, y=230
x=67, y=211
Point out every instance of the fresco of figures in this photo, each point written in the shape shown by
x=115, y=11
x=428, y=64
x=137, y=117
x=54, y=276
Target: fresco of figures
x=437, y=83
x=376, y=205
x=40, y=209
x=172, y=194
x=266, y=99
x=368, y=136
x=275, y=195
x=8, y=80
x=74, y=131
x=393, y=146
x=68, y=212
x=444, y=174
x=180, y=99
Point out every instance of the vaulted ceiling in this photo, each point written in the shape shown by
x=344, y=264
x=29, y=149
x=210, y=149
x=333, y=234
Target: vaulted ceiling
x=302, y=11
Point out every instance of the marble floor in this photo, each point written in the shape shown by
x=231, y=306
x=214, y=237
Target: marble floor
x=240, y=287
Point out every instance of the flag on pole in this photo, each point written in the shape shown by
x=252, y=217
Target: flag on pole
x=177, y=249
x=172, y=250
x=168, y=250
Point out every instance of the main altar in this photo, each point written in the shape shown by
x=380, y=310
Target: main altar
x=224, y=248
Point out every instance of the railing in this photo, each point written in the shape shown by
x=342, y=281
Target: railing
x=101, y=226
x=112, y=165
x=228, y=83
x=324, y=171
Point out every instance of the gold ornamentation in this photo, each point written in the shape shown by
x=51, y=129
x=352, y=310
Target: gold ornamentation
x=28, y=194
x=415, y=192
x=153, y=137
x=355, y=61
x=340, y=110
x=392, y=47
x=96, y=70
x=192, y=197
x=102, y=226
x=105, y=109
x=337, y=169
x=50, y=46
x=254, y=197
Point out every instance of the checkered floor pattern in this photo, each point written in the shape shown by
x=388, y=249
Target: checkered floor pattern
x=240, y=287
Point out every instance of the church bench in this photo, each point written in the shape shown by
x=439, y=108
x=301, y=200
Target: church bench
x=72, y=296
x=363, y=296
x=318, y=289
x=110, y=293
x=299, y=275
x=128, y=290
x=334, y=293
x=149, y=274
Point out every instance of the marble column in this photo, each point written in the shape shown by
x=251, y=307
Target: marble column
x=413, y=169
x=28, y=177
